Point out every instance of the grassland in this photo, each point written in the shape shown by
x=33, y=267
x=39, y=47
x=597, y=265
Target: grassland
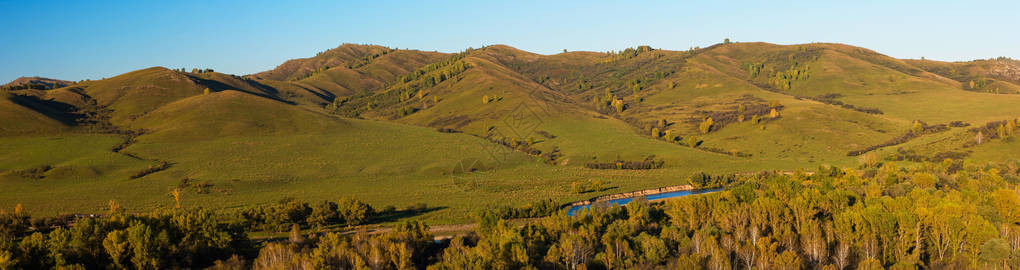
x=278, y=134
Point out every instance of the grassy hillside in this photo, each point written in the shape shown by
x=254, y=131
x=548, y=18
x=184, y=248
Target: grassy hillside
x=488, y=126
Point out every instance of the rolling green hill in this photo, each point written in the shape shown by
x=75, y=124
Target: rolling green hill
x=489, y=126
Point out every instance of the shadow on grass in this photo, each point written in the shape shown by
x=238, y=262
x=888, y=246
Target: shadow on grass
x=392, y=216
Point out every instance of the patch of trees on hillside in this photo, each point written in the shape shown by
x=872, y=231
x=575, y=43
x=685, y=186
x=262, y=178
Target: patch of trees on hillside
x=918, y=128
x=625, y=54
x=408, y=92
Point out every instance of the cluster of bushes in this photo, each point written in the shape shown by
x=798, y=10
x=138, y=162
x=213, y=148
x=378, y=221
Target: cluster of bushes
x=647, y=164
x=636, y=85
x=594, y=185
x=703, y=180
x=783, y=80
x=526, y=147
x=751, y=109
x=447, y=130
x=831, y=100
x=731, y=152
x=919, y=128
x=912, y=155
x=288, y=212
x=33, y=173
x=542, y=208
x=1005, y=129
x=162, y=165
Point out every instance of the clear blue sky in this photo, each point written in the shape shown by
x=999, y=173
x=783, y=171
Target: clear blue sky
x=76, y=40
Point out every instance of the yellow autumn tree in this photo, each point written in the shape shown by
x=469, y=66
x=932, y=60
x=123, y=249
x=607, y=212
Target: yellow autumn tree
x=918, y=128
x=706, y=125
x=774, y=113
x=618, y=104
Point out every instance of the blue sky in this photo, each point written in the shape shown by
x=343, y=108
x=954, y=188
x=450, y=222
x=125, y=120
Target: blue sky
x=76, y=40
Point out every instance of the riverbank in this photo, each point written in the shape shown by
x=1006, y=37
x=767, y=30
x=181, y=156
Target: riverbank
x=633, y=194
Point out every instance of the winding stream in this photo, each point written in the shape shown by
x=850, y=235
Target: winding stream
x=652, y=197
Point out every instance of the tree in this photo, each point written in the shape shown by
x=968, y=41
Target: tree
x=692, y=141
x=1010, y=128
x=486, y=99
x=706, y=125
x=324, y=213
x=918, y=127
x=971, y=84
x=145, y=251
x=979, y=138
x=994, y=253
x=1001, y=130
x=177, y=197
x=115, y=244
x=774, y=113
x=788, y=260
x=295, y=234
x=206, y=91
x=353, y=211
x=726, y=41
x=618, y=104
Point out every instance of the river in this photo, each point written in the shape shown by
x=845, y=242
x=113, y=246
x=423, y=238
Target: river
x=652, y=197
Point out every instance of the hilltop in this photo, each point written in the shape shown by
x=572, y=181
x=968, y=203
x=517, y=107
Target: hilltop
x=491, y=125
x=35, y=83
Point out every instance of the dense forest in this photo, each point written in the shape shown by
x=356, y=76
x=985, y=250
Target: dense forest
x=948, y=215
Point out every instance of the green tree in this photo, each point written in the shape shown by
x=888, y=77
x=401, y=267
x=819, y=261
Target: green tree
x=116, y=246
x=324, y=213
x=144, y=248
x=353, y=211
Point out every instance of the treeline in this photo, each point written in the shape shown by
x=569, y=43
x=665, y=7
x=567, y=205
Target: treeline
x=28, y=86
x=625, y=54
x=646, y=164
x=527, y=147
x=919, y=128
x=836, y=219
x=288, y=213
x=933, y=216
x=1004, y=130
x=164, y=240
x=831, y=100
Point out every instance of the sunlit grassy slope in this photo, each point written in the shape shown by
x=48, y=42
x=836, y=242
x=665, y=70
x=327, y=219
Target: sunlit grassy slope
x=260, y=138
